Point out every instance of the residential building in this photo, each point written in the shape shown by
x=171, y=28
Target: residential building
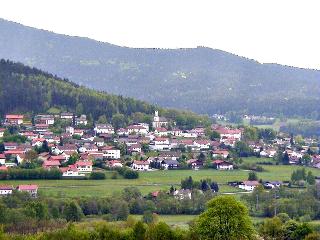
x=14, y=119
x=5, y=190
x=32, y=189
x=140, y=165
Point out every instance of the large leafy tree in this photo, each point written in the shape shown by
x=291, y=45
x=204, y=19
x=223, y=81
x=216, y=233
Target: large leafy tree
x=225, y=218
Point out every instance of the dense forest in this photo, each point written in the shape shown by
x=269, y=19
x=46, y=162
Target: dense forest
x=200, y=79
x=24, y=89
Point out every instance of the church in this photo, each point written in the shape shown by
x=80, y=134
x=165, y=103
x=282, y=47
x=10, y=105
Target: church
x=159, y=121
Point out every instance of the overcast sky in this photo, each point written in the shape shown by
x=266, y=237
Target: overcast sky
x=278, y=31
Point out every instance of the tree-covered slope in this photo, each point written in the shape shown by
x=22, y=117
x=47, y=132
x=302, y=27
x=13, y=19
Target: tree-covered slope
x=201, y=79
x=24, y=89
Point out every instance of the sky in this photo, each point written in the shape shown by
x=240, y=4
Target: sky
x=270, y=31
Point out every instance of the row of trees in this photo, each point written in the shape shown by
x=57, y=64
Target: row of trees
x=26, y=174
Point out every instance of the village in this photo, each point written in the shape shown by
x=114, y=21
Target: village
x=160, y=145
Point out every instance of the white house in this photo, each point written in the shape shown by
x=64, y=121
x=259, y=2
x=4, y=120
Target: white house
x=160, y=144
x=104, y=128
x=161, y=132
x=5, y=190
x=14, y=119
x=66, y=115
x=2, y=130
x=114, y=163
x=70, y=171
x=248, y=185
x=189, y=134
x=110, y=152
x=228, y=133
x=70, y=130
x=82, y=120
x=182, y=194
x=140, y=165
x=138, y=129
x=2, y=159
x=84, y=166
x=202, y=144
x=32, y=189
x=135, y=148
x=223, y=165
x=44, y=119
x=222, y=153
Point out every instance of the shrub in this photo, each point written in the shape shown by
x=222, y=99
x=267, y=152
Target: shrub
x=97, y=175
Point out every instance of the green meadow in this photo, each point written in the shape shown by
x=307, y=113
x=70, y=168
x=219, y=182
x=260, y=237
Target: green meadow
x=156, y=180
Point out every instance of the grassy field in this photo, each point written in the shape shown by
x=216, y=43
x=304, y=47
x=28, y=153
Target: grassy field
x=155, y=180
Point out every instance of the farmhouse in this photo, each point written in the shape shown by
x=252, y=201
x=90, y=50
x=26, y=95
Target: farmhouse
x=111, y=152
x=226, y=133
x=136, y=129
x=169, y=164
x=140, y=165
x=51, y=164
x=103, y=128
x=2, y=130
x=248, y=185
x=32, y=189
x=220, y=153
x=160, y=144
x=195, y=163
x=82, y=120
x=114, y=164
x=70, y=171
x=84, y=166
x=5, y=190
x=2, y=159
x=66, y=116
x=223, y=165
x=44, y=119
x=12, y=119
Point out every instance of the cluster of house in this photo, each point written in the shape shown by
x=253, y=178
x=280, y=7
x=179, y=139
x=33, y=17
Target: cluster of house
x=32, y=189
x=103, y=142
x=100, y=141
x=295, y=154
x=251, y=185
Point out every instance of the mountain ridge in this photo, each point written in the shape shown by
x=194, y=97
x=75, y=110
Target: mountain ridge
x=200, y=79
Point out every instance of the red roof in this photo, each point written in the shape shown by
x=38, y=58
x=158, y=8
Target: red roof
x=222, y=152
x=13, y=152
x=57, y=158
x=6, y=187
x=218, y=161
x=3, y=168
x=51, y=163
x=27, y=187
x=141, y=162
x=69, y=168
x=83, y=163
x=160, y=139
x=155, y=194
x=2, y=156
x=227, y=131
x=12, y=116
x=251, y=183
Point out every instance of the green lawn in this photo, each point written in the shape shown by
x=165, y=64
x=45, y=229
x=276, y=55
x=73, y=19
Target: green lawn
x=153, y=181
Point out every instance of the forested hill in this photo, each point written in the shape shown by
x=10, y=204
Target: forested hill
x=201, y=79
x=29, y=90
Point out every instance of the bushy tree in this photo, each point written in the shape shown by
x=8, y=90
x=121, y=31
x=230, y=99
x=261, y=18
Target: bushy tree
x=225, y=218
